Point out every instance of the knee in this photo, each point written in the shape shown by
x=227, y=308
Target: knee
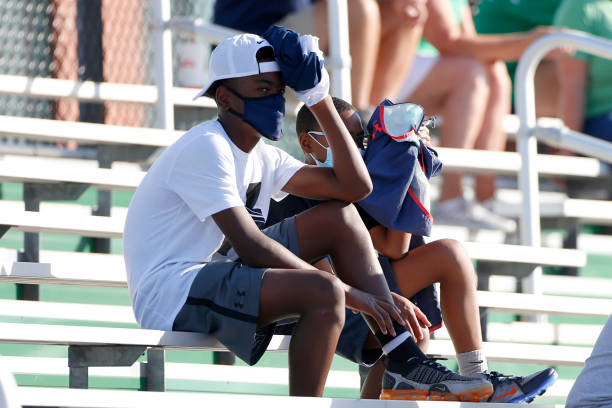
x=499, y=80
x=328, y=298
x=474, y=75
x=345, y=216
x=456, y=259
x=364, y=12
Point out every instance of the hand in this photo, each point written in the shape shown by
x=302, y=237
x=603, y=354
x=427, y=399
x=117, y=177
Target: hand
x=377, y=307
x=299, y=57
x=413, y=11
x=412, y=315
x=424, y=135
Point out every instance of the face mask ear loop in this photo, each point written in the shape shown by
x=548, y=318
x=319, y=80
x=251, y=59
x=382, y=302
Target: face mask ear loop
x=315, y=139
x=319, y=143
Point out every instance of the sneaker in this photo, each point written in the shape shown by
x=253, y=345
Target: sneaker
x=520, y=389
x=429, y=380
x=472, y=215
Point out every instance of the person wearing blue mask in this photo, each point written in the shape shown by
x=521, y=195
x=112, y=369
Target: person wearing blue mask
x=410, y=266
x=197, y=260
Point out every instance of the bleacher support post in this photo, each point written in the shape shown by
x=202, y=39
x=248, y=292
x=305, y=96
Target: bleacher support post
x=155, y=372
x=31, y=244
x=80, y=358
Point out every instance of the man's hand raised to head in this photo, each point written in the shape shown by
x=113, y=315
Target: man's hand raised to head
x=301, y=63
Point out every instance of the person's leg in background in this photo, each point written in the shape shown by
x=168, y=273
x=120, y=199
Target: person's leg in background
x=401, y=33
x=457, y=89
x=364, y=38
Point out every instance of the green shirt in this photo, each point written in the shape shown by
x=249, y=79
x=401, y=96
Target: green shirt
x=426, y=48
x=593, y=17
x=513, y=16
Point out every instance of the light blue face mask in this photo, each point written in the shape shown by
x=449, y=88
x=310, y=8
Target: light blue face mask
x=329, y=162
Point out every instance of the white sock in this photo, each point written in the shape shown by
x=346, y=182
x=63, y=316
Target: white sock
x=472, y=363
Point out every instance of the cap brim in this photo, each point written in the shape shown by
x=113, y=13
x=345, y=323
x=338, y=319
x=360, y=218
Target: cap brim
x=202, y=92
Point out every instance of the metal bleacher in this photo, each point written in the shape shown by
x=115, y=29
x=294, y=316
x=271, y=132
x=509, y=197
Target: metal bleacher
x=81, y=331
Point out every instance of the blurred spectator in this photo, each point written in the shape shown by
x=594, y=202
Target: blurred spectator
x=593, y=387
x=511, y=16
x=460, y=75
x=585, y=81
x=383, y=34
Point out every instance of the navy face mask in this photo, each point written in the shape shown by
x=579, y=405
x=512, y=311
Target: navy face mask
x=265, y=114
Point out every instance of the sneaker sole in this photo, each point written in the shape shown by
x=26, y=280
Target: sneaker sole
x=423, y=395
x=529, y=397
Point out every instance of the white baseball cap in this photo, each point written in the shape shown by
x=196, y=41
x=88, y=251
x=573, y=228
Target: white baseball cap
x=236, y=57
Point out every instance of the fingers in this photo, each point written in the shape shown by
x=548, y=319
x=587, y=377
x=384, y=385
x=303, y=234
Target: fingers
x=379, y=316
x=422, y=317
x=392, y=311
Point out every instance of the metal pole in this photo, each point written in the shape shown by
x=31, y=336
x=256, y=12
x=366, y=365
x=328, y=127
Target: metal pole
x=527, y=144
x=339, y=59
x=163, y=65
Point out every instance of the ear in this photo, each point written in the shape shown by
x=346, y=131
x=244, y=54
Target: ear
x=305, y=142
x=223, y=98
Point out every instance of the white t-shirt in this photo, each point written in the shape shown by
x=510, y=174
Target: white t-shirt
x=169, y=232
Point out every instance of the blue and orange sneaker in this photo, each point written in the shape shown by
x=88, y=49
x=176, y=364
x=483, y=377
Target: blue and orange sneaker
x=426, y=379
x=517, y=390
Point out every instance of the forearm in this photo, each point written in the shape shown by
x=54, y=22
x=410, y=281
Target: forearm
x=266, y=252
x=487, y=47
x=349, y=168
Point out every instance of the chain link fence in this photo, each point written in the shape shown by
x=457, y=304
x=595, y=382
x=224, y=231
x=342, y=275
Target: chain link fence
x=98, y=40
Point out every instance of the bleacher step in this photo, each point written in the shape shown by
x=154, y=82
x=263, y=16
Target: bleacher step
x=68, y=398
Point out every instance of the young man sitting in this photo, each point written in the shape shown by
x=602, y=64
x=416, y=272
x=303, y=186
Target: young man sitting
x=411, y=267
x=211, y=190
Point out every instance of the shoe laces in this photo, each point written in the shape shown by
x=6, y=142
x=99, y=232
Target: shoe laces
x=432, y=362
x=496, y=377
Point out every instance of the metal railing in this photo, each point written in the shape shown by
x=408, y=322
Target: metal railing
x=560, y=136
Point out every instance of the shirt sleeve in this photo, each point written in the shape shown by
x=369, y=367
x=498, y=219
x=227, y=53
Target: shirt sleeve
x=576, y=15
x=285, y=166
x=204, y=176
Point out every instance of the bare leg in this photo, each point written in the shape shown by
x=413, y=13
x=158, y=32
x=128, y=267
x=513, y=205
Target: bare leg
x=445, y=261
x=547, y=86
x=457, y=88
x=347, y=240
x=373, y=382
x=492, y=135
x=318, y=299
x=398, y=45
x=364, y=38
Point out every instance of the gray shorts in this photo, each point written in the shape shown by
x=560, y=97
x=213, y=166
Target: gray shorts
x=224, y=300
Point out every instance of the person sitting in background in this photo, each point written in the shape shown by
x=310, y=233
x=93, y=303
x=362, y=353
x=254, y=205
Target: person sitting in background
x=410, y=266
x=460, y=75
x=593, y=387
x=383, y=35
x=512, y=16
x=585, y=81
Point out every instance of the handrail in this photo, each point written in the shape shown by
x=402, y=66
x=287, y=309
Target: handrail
x=528, y=130
x=339, y=59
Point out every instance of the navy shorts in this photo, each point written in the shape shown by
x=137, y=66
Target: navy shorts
x=599, y=126
x=224, y=300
